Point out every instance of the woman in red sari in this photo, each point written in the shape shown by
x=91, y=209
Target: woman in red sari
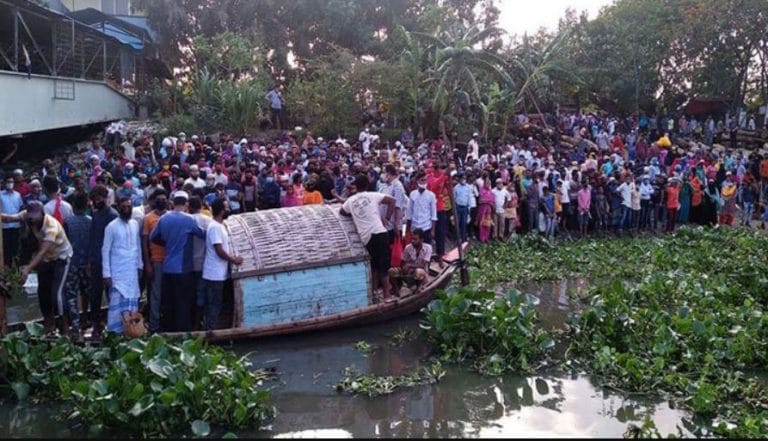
x=485, y=211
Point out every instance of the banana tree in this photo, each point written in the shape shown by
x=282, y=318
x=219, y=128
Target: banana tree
x=456, y=60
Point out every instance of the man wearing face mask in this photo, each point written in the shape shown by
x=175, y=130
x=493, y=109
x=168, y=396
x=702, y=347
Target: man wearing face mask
x=175, y=231
x=153, y=256
x=122, y=265
x=11, y=204
x=101, y=216
x=216, y=264
x=269, y=193
x=52, y=264
x=422, y=209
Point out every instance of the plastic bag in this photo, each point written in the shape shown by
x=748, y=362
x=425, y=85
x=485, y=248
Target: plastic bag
x=133, y=324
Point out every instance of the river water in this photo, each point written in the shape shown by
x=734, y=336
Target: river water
x=462, y=404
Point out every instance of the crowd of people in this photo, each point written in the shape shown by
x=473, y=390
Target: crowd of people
x=145, y=214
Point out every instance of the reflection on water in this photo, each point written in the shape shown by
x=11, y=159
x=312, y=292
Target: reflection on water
x=462, y=404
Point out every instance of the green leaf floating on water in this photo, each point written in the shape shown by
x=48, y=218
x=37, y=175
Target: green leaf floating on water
x=200, y=428
x=20, y=389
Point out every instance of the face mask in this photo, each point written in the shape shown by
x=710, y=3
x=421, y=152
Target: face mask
x=422, y=187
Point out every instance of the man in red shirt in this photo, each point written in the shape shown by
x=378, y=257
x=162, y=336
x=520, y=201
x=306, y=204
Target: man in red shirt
x=673, y=203
x=437, y=183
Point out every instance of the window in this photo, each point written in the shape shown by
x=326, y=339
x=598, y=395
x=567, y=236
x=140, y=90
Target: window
x=108, y=6
x=122, y=7
x=116, y=7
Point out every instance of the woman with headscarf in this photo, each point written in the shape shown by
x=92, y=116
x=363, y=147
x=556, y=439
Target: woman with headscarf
x=686, y=192
x=728, y=197
x=711, y=204
x=485, y=206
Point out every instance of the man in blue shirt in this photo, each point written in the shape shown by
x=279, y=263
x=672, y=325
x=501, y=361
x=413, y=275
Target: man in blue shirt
x=174, y=231
x=462, y=196
x=11, y=204
x=276, y=104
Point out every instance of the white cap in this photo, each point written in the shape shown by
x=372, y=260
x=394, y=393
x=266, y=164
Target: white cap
x=243, y=141
x=128, y=165
x=180, y=194
x=319, y=139
x=195, y=138
x=475, y=134
x=193, y=167
x=19, y=172
x=182, y=135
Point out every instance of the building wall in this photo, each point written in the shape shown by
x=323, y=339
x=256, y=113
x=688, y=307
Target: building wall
x=29, y=104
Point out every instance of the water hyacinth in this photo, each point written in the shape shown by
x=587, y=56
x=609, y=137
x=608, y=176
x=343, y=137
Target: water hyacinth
x=152, y=387
x=681, y=316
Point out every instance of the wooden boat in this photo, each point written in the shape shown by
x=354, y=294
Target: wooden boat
x=305, y=269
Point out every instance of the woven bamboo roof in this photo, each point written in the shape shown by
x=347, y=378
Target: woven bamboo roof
x=288, y=239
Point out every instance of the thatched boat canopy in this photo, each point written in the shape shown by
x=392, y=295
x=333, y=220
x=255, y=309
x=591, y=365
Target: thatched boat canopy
x=295, y=238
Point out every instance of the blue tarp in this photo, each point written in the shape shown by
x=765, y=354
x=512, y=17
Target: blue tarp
x=120, y=34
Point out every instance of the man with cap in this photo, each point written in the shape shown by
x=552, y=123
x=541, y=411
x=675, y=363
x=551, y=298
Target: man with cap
x=194, y=177
x=174, y=231
x=52, y=264
x=122, y=264
x=20, y=183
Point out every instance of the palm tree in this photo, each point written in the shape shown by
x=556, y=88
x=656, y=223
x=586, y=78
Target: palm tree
x=531, y=71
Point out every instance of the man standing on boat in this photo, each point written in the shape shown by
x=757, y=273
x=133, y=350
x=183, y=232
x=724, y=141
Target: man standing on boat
x=122, y=265
x=394, y=188
x=175, y=230
x=363, y=206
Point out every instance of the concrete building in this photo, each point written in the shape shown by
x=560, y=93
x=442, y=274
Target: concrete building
x=71, y=64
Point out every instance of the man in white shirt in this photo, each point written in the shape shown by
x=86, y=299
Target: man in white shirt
x=194, y=177
x=365, y=139
x=501, y=197
x=55, y=201
x=394, y=188
x=364, y=209
x=121, y=265
x=216, y=264
x=625, y=189
x=422, y=209
x=473, y=148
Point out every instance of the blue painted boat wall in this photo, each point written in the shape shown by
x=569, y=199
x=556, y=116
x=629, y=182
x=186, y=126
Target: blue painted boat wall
x=304, y=294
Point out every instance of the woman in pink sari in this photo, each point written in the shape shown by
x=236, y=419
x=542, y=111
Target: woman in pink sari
x=485, y=211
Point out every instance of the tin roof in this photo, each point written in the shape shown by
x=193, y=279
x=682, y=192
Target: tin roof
x=290, y=239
